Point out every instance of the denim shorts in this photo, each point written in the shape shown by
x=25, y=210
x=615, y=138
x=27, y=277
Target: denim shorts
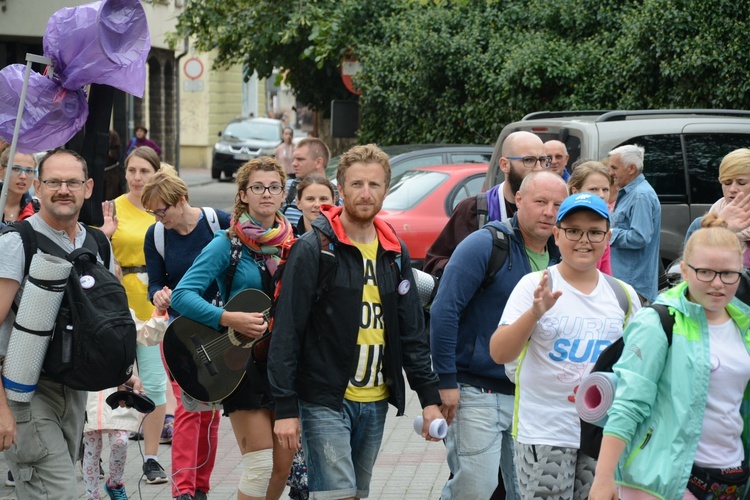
x=341, y=447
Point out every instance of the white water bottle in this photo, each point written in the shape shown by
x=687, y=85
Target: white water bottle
x=438, y=427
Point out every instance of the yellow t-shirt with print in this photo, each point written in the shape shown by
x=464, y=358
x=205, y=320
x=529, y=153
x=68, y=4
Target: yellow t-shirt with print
x=367, y=384
x=127, y=246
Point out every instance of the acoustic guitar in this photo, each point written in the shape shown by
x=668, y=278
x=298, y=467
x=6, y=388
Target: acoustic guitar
x=207, y=364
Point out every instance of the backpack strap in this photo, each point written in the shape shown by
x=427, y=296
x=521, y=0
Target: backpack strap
x=623, y=297
x=159, y=238
x=234, y=260
x=97, y=242
x=28, y=238
x=666, y=318
x=483, y=210
x=290, y=196
x=498, y=254
x=212, y=218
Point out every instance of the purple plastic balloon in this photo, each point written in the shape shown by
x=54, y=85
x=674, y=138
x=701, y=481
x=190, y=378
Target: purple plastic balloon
x=103, y=42
x=51, y=116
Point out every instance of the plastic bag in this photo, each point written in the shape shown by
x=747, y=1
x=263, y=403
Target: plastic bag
x=103, y=42
x=51, y=115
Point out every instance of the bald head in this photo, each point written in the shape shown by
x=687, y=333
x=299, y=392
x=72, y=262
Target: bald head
x=542, y=180
x=521, y=143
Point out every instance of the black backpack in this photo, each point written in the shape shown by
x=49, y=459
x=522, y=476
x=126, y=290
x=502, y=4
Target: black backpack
x=591, y=435
x=94, y=338
x=498, y=255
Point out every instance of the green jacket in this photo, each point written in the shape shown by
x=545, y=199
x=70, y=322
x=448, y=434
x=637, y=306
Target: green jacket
x=661, y=394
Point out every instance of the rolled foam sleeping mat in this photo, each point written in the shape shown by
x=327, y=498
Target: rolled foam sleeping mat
x=32, y=330
x=595, y=397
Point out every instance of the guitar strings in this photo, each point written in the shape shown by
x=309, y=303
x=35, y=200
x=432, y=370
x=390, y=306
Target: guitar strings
x=220, y=344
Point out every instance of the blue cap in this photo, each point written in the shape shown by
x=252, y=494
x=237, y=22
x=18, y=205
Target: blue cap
x=583, y=201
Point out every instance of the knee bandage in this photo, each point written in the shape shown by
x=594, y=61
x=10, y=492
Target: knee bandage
x=257, y=467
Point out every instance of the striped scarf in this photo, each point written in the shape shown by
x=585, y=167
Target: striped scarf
x=264, y=242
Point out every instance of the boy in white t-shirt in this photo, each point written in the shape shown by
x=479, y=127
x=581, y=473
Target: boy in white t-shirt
x=553, y=328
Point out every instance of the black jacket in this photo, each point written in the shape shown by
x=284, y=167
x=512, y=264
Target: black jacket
x=312, y=353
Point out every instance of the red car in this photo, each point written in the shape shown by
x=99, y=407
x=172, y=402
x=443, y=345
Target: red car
x=421, y=200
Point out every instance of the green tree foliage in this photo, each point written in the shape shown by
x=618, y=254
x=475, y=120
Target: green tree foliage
x=457, y=71
x=308, y=39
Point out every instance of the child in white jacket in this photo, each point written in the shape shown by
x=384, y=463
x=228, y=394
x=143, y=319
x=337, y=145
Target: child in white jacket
x=101, y=420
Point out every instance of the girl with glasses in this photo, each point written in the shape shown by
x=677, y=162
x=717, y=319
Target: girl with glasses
x=554, y=326
x=676, y=426
x=19, y=204
x=260, y=230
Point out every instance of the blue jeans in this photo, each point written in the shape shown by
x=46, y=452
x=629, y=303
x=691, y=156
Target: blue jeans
x=341, y=447
x=479, y=442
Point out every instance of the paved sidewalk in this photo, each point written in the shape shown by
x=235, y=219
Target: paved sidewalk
x=408, y=467
x=196, y=176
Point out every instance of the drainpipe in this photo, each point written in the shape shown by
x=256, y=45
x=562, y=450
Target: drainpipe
x=177, y=97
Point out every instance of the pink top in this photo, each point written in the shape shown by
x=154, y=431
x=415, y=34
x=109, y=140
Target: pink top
x=285, y=154
x=605, y=264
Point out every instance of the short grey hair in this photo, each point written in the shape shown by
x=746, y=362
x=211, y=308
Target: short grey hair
x=630, y=154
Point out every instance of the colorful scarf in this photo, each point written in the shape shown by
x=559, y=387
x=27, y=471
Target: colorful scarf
x=264, y=242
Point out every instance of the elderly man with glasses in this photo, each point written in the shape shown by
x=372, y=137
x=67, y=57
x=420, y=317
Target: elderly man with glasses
x=559, y=158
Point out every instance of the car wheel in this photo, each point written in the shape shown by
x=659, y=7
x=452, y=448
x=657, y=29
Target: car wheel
x=216, y=173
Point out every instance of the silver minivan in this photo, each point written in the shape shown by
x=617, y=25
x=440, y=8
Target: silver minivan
x=684, y=148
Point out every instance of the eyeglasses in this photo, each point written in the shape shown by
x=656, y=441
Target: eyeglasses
x=159, y=213
x=575, y=234
x=30, y=172
x=259, y=189
x=56, y=184
x=708, y=275
x=531, y=161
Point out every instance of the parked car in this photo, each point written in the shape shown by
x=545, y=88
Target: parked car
x=421, y=200
x=408, y=156
x=244, y=139
x=684, y=148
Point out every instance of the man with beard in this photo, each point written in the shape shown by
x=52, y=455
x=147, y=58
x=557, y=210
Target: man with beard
x=523, y=152
x=338, y=350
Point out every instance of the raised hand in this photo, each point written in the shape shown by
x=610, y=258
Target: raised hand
x=544, y=297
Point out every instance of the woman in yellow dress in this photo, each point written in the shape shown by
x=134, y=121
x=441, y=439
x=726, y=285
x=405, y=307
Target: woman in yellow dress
x=126, y=222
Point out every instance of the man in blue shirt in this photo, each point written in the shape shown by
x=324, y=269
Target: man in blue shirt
x=636, y=223
x=477, y=395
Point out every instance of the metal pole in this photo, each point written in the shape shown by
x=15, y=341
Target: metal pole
x=178, y=93
x=30, y=58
